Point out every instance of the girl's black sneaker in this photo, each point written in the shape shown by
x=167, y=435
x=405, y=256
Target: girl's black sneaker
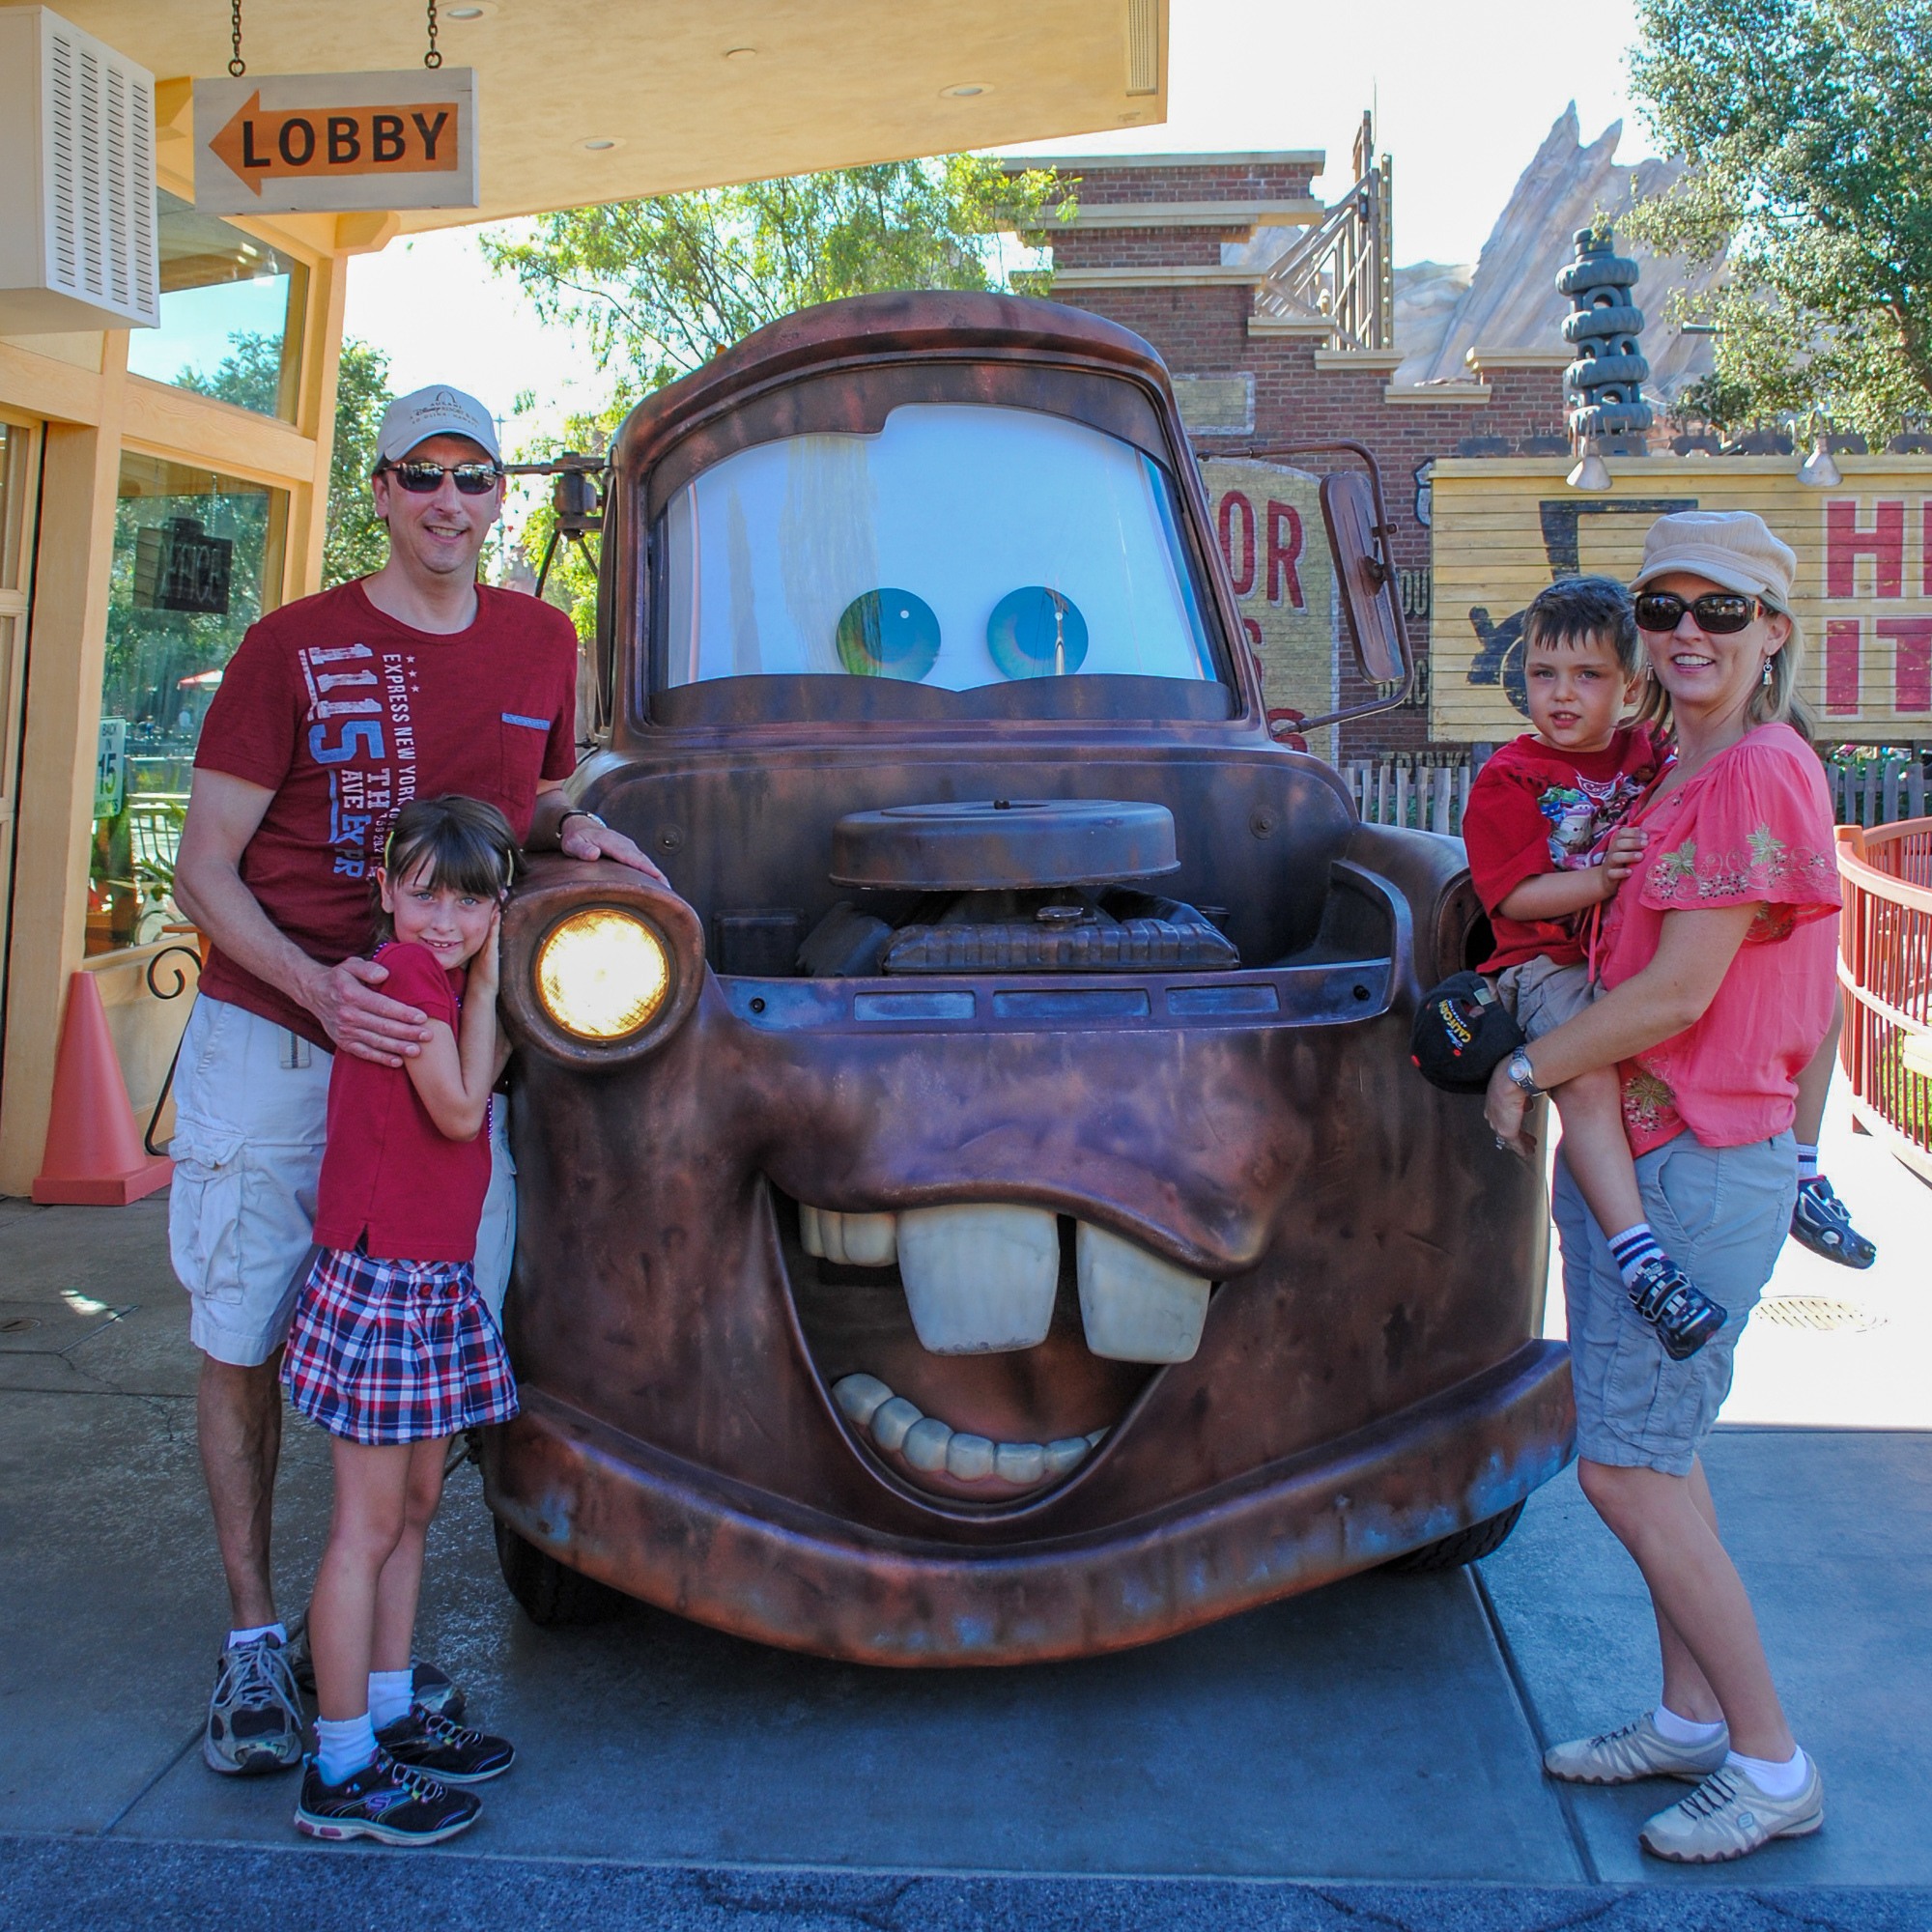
x=428, y=1743
x=1685, y=1317
x=386, y=1800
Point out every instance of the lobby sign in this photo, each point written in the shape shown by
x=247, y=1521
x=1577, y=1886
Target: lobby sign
x=331, y=143
x=1268, y=520
x=1864, y=594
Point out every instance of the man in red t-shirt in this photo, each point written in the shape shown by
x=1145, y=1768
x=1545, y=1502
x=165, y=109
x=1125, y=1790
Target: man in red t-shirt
x=333, y=715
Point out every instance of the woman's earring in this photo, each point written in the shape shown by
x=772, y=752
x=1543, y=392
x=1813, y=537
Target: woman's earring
x=1766, y=679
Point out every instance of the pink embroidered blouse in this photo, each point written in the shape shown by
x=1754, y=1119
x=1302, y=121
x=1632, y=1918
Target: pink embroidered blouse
x=1753, y=825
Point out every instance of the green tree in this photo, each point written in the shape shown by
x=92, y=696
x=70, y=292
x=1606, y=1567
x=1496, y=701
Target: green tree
x=660, y=286
x=355, y=543
x=250, y=377
x=1809, y=126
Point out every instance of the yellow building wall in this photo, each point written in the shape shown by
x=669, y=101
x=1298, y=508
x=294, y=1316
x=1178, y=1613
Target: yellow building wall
x=1503, y=529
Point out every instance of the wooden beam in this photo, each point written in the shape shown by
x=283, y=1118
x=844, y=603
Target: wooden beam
x=66, y=649
x=189, y=428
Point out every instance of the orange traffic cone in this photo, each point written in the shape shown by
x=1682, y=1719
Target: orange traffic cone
x=94, y=1156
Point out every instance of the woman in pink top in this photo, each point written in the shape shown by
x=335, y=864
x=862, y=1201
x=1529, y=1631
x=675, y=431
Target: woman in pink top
x=1719, y=961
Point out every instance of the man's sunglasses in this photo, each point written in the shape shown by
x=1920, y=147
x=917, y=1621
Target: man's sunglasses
x=1718, y=612
x=474, y=479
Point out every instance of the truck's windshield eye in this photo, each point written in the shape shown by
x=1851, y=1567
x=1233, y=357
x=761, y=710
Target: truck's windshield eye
x=1036, y=633
x=887, y=634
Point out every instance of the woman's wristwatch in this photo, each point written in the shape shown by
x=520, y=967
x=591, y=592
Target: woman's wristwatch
x=1523, y=1073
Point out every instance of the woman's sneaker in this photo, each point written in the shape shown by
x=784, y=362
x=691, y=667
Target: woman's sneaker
x=386, y=1800
x=1821, y=1222
x=426, y=1742
x=1634, y=1750
x=254, y=1717
x=1728, y=1815
x=1684, y=1317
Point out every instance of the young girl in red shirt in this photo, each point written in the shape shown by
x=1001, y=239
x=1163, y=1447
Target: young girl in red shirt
x=392, y=1350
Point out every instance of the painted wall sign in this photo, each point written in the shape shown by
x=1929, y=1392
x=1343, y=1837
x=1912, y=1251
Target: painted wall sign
x=1268, y=519
x=1864, y=594
x=321, y=143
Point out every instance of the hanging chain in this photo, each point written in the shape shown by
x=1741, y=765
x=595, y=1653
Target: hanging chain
x=237, y=66
x=432, y=59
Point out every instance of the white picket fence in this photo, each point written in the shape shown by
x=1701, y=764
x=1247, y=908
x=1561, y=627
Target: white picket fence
x=1428, y=793
x=1397, y=792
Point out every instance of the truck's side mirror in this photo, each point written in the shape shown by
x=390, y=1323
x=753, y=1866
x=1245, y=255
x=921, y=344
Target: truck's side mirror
x=1367, y=584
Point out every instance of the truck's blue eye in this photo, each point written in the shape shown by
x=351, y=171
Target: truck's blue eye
x=887, y=634
x=1036, y=633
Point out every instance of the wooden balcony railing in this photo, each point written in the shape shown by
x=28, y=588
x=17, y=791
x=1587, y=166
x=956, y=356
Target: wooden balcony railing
x=1884, y=965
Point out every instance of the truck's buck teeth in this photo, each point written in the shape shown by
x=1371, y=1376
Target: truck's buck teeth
x=855, y=1241
x=1134, y=1306
x=979, y=1279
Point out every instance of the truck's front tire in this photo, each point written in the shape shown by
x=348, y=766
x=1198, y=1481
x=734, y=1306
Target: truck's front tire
x=1467, y=1546
x=552, y=1595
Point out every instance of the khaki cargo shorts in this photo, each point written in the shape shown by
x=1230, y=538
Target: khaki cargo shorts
x=251, y=1104
x=1542, y=995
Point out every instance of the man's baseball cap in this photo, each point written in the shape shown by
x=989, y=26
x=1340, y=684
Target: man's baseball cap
x=436, y=411
x=1734, y=548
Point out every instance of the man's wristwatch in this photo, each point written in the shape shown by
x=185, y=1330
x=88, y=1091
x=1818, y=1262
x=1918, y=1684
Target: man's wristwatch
x=577, y=811
x=1523, y=1073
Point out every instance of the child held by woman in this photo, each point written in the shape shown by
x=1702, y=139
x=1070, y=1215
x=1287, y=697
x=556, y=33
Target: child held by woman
x=392, y=1350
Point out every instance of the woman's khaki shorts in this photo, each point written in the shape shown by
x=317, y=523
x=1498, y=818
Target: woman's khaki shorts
x=1722, y=1214
x=251, y=1102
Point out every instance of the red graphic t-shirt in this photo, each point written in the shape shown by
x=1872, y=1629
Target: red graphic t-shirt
x=1535, y=810
x=347, y=715
x=388, y=1173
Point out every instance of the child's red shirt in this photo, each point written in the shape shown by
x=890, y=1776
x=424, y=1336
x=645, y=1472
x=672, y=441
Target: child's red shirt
x=1535, y=810
x=390, y=1174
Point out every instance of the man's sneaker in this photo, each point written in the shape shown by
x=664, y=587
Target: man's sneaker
x=384, y=1800
x=1683, y=1317
x=1822, y=1223
x=449, y=1753
x=1729, y=1816
x=431, y=1687
x=255, y=1716
x=1634, y=1750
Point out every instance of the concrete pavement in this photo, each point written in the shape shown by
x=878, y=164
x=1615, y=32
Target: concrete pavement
x=1366, y=1751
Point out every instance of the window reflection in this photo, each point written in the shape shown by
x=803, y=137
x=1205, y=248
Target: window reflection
x=197, y=557
x=231, y=314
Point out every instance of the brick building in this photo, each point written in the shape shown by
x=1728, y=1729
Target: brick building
x=1275, y=314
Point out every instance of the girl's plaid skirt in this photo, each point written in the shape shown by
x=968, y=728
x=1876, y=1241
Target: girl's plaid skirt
x=384, y=1351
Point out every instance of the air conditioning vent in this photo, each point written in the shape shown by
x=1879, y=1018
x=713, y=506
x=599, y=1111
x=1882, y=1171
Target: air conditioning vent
x=1143, y=46
x=77, y=155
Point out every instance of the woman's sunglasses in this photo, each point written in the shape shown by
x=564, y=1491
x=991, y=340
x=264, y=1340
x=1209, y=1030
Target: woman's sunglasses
x=1718, y=612
x=472, y=479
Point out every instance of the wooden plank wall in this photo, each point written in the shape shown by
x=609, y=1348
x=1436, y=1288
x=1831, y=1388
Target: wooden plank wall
x=1505, y=528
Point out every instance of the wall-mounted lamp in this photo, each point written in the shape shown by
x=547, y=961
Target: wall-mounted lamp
x=1820, y=470
x=1592, y=472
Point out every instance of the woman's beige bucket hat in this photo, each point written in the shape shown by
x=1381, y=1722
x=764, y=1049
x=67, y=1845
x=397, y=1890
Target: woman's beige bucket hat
x=1734, y=548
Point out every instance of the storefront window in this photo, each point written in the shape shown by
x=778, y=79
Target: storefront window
x=231, y=314
x=197, y=556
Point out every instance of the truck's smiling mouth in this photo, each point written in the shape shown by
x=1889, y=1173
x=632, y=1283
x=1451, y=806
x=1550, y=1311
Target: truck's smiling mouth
x=981, y=1353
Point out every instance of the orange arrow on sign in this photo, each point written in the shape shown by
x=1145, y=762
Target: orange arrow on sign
x=323, y=143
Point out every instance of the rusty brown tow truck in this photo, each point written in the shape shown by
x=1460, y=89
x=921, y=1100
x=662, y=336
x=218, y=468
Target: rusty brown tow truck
x=990, y=1214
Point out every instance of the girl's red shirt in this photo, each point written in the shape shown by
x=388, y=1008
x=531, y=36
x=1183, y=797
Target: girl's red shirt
x=391, y=1177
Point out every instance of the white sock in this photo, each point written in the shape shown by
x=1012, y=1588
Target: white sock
x=389, y=1695
x=279, y=1632
x=1772, y=1778
x=343, y=1747
x=1678, y=1731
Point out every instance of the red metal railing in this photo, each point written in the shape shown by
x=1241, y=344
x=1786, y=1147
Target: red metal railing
x=1884, y=965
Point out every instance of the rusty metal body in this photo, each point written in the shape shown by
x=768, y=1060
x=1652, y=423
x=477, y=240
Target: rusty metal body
x=1367, y=1378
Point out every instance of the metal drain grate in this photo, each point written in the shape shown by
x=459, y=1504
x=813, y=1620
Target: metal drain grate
x=17, y=1324
x=1818, y=1311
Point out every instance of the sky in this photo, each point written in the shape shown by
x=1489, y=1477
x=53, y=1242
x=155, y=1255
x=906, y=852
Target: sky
x=1463, y=98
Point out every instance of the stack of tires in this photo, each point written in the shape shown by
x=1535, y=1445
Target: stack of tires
x=1605, y=381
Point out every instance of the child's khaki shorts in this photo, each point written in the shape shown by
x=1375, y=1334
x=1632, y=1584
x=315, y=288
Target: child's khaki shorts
x=1542, y=995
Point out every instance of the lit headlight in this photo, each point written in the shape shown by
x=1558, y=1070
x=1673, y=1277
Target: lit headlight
x=602, y=974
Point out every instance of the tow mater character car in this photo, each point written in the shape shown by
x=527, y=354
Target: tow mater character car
x=989, y=1215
